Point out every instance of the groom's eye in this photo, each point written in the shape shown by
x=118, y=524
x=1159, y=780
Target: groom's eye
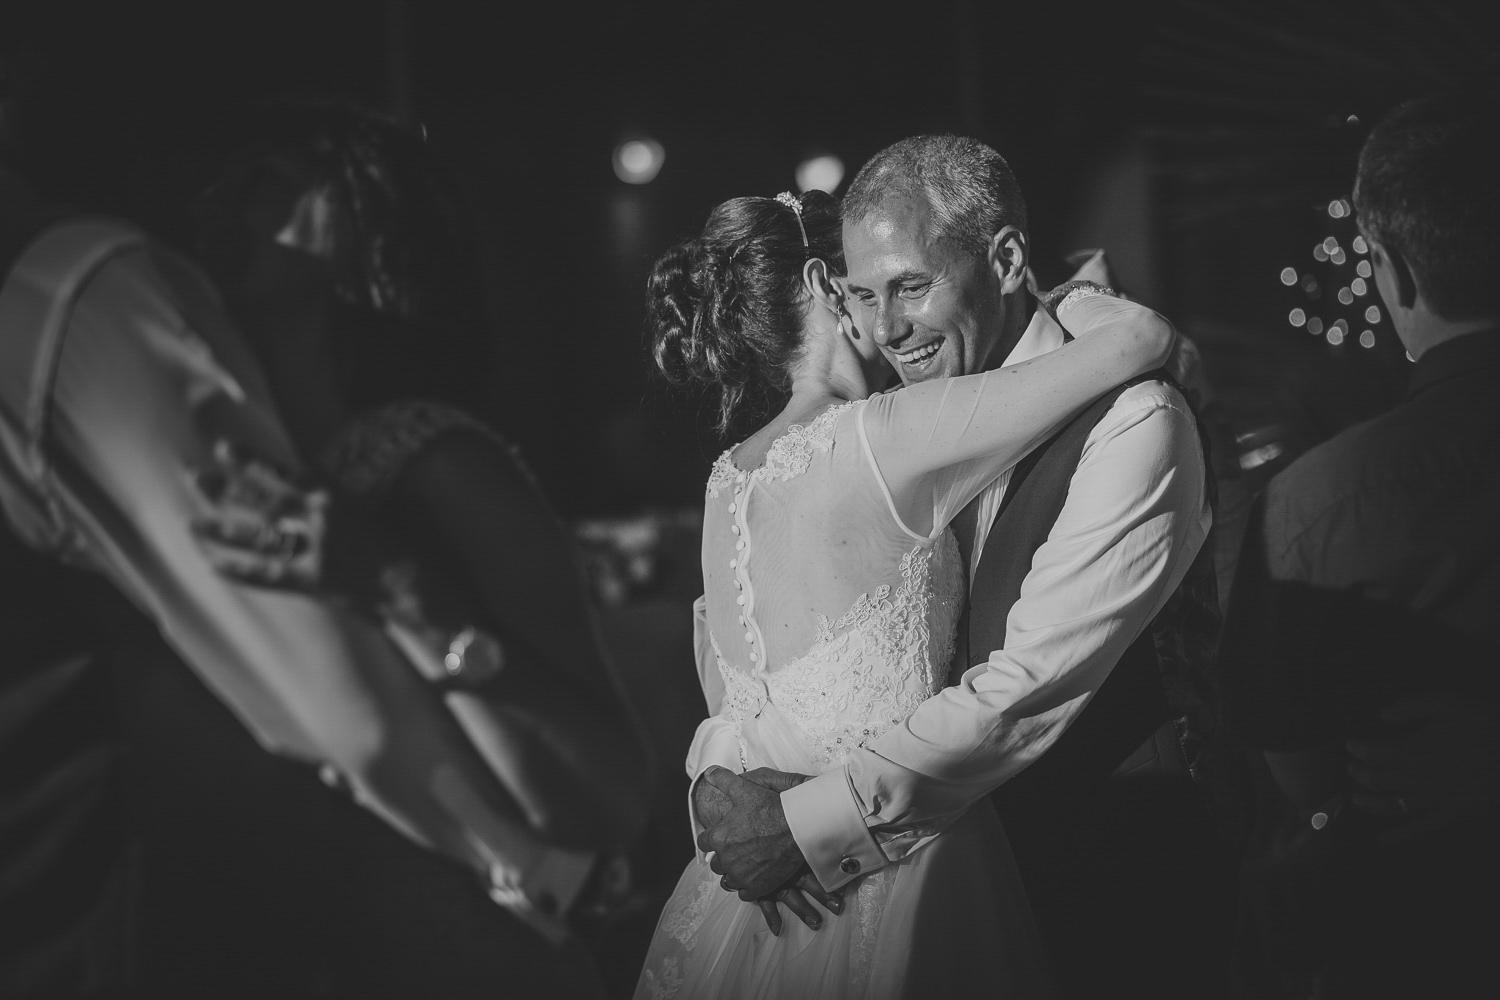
x=916, y=291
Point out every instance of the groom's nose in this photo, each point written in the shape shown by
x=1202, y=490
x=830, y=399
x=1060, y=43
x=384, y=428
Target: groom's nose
x=890, y=325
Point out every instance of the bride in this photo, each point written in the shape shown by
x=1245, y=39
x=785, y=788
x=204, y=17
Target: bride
x=832, y=592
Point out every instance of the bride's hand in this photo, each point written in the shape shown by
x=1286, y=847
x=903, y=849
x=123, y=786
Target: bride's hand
x=1086, y=308
x=795, y=897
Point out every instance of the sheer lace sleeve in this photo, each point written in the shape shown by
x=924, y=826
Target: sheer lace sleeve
x=936, y=445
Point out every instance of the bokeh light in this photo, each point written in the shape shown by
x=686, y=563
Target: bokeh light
x=1372, y=314
x=1367, y=339
x=1319, y=254
x=1336, y=209
x=1358, y=286
x=1314, y=326
x=1297, y=317
x=1288, y=276
x=1335, y=336
x=1360, y=246
x=820, y=173
x=1362, y=269
x=638, y=161
x=1346, y=296
x=1330, y=245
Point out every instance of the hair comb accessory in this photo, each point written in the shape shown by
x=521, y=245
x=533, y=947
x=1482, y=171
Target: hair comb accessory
x=795, y=204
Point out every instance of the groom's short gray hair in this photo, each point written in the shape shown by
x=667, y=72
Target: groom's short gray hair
x=970, y=188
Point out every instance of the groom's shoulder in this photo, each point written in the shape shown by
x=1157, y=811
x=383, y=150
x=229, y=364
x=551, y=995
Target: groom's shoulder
x=1155, y=400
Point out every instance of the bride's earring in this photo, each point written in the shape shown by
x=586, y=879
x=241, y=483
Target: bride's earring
x=842, y=314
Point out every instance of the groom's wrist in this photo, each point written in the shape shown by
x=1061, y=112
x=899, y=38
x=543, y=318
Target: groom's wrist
x=829, y=829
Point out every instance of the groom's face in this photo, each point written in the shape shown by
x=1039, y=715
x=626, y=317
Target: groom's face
x=934, y=310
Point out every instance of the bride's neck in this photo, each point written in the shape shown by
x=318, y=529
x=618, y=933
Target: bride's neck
x=829, y=370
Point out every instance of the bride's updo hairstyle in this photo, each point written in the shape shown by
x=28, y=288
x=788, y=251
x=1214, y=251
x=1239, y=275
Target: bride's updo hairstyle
x=724, y=310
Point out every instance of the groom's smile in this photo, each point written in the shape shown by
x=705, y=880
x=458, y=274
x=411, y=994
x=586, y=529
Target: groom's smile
x=930, y=306
x=918, y=358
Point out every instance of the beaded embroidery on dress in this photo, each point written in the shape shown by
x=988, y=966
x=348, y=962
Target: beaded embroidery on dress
x=788, y=457
x=873, y=666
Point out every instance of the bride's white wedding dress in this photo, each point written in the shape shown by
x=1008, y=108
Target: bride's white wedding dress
x=832, y=591
x=950, y=916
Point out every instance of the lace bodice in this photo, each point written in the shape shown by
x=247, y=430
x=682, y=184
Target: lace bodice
x=859, y=614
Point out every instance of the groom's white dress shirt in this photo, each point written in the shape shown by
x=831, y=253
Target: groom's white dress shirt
x=1135, y=517
x=118, y=371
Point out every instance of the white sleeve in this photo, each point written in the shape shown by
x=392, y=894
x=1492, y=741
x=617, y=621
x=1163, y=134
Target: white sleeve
x=1135, y=517
x=936, y=445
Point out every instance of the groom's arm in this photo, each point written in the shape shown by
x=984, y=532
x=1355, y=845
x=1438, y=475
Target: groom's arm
x=1134, y=519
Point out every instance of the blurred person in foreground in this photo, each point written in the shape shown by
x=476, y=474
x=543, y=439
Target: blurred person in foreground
x=1361, y=642
x=224, y=870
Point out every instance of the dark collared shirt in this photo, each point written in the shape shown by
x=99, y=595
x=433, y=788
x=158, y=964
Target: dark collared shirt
x=1392, y=504
x=1383, y=549
x=1371, y=572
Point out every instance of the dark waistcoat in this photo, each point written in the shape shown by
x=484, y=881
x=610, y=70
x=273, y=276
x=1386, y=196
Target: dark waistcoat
x=1114, y=841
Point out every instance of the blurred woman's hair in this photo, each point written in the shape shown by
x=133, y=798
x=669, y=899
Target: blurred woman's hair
x=724, y=309
x=411, y=318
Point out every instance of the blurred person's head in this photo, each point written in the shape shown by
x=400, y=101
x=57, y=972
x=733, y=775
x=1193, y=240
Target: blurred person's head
x=730, y=310
x=1428, y=203
x=936, y=242
x=334, y=207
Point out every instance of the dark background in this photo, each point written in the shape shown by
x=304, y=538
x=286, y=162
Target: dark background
x=1198, y=143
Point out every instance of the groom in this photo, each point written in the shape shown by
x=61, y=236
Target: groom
x=1077, y=561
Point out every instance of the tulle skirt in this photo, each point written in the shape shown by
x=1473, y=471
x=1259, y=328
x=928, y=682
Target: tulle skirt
x=950, y=920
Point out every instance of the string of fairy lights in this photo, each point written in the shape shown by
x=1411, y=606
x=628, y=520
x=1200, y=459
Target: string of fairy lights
x=1337, y=299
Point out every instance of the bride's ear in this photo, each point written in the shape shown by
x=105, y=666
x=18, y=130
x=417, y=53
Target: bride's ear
x=825, y=289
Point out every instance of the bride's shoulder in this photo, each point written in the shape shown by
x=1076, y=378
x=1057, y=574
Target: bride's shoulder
x=723, y=473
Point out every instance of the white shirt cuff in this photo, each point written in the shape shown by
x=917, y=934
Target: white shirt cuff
x=828, y=826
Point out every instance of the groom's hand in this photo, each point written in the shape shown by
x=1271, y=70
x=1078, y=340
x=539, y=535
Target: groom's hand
x=752, y=846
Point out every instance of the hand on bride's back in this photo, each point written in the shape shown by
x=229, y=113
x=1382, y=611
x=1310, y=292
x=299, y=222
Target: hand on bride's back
x=711, y=804
x=265, y=526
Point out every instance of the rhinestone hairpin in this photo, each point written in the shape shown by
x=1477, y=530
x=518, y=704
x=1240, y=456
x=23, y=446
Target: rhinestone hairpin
x=795, y=204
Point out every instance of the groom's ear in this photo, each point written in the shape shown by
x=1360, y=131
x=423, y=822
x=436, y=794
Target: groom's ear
x=1008, y=257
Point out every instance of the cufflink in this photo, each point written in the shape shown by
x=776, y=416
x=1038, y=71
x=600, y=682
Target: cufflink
x=849, y=866
x=473, y=657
